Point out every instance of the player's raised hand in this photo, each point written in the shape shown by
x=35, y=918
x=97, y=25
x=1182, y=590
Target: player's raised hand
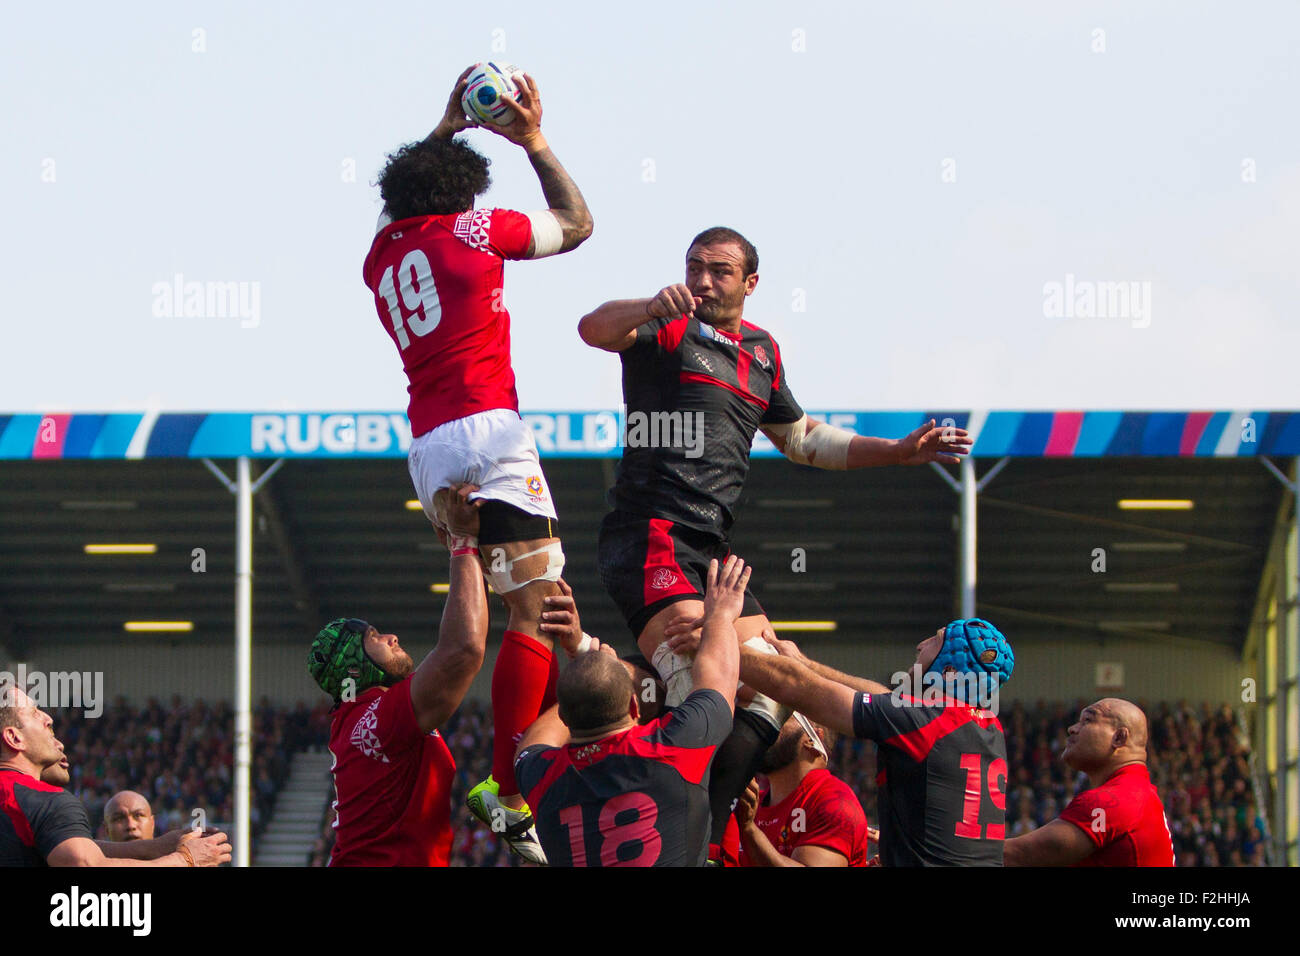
x=672, y=301
x=945, y=444
x=560, y=620
x=455, y=512
x=453, y=118
x=526, y=107
x=683, y=634
x=784, y=648
x=724, y=595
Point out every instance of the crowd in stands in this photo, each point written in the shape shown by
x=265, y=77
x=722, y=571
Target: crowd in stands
x=1199, y=760
x=180, y=756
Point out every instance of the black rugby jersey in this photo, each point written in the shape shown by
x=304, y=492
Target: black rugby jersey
x=636, y=798
x=36, y=817
x=942, y=781
x=695, y=397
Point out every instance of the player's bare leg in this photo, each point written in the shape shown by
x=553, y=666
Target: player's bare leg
x=521, y=680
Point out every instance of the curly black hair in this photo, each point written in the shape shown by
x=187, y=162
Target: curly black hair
x=433, y=177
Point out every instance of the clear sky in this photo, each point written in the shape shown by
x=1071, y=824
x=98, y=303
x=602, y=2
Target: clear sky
x=935, y=190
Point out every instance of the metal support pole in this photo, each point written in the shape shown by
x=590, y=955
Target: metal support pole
x=1285, y=680
x=1277, y=666
x=243, y=659
x=1287, y=800
x=1290, y=855
x=968, y=537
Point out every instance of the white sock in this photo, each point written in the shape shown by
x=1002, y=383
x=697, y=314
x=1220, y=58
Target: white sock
x=675, y=669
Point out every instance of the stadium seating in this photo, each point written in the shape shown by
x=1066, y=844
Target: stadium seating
x=180, y=757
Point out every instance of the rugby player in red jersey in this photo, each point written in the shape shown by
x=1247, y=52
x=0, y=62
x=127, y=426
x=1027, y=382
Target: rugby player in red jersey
x=392, y=770
x=694, y=368
x=808, y=816
x=610, y=792
x=1120, y=821
x=942, y=753
x=436, y=270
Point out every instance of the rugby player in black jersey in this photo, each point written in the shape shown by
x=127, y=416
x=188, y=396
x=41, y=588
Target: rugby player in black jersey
x=940, y=747
x=606, y=791
x=698, y=383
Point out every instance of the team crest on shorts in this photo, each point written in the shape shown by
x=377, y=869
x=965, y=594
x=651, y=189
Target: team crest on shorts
x=534, y=485
x=760, y=354
x=663, y=579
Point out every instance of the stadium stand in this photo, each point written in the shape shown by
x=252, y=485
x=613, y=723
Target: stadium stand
x=180, y=756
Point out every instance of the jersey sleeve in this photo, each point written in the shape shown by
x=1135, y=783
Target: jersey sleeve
x=834, y=821
x=56, y=817
x=782, y=408
x=703, y=719
x=508, y=233
x=530, y=767
x=881, y=717
x=1098, y=813
x=651, y=338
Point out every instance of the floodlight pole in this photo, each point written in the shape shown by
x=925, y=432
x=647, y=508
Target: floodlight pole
x=969, y=513
x=243, y=658
x=969, y=489
x=243, y=488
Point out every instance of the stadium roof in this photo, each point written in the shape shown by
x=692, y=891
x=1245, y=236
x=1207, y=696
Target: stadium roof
x=335, y=537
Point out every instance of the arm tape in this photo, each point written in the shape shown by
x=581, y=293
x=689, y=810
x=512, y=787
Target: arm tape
x=548, y=235
x=822, y=447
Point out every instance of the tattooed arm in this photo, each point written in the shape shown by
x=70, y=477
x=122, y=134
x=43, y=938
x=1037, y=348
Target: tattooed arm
x=562, y=194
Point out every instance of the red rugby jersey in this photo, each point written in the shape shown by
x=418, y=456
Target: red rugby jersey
x=392, y=783
x=1125, y=818
x=437, y=282
x=830, y=817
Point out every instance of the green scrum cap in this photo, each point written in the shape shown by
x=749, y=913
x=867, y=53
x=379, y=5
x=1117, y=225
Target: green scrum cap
x=339, y=654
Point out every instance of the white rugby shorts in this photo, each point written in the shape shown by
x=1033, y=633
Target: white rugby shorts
x=494, y=450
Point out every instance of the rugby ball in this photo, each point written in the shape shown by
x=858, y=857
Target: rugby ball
x=482, y=100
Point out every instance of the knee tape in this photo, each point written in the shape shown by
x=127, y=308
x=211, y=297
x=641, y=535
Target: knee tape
x=510, y=574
